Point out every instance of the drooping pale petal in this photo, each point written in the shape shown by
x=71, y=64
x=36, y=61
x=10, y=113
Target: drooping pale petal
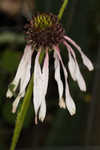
x=86, y=61
x=20, y=70
x=44, y=85
x=26, y=72
x=58, y=78
x=25, y=77
x=75, y=71
x=69, y=101
x=37, y=84
x=40, y=86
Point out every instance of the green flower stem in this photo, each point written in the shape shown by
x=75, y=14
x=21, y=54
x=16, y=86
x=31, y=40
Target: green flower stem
x=23, y=111
x=21, y=115
x=61, y=11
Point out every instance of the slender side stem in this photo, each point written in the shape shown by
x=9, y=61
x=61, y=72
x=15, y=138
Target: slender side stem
x=61, y=11
x=22, y=113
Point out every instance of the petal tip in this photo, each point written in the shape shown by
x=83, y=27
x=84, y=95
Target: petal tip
x=62, y=103
x=83, y=88
x=41, y=119
x=91, y=68
x=71, y=106
x=73, y=112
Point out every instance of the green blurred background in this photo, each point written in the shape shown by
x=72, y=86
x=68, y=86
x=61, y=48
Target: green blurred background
x=81, y=20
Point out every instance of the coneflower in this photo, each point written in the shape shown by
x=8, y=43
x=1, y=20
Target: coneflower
x=44, y=32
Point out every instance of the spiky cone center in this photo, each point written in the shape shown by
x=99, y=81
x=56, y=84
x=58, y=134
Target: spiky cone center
x=44, y=30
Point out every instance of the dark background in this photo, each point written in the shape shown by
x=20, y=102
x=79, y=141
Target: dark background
x=81, y=20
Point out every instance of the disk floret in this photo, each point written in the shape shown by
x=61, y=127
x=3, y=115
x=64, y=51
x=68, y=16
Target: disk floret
x=44, y=30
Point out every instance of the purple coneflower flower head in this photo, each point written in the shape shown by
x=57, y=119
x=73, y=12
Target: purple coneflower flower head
x=44, y=32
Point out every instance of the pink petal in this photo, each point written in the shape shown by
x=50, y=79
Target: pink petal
x=45, y=74
x=72, y=67
x=57, y=75
x=44, y=85
x=80, y=79
x=86, y=61
x=21, y=69
x=23, y=61
x=75, y=71
x=37, y=84
x=26, y=72
x=69, y=101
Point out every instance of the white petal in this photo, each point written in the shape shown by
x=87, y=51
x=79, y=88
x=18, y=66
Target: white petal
x=21, y=69
x=15, y=103
x=37, y=84
x=26, y=72
x=44, y=86
x=22, y=64
x=42, y=111
x=86, y=61
x=69, y=101
x=75, y=71
x=40, y=86
x=57, y=75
